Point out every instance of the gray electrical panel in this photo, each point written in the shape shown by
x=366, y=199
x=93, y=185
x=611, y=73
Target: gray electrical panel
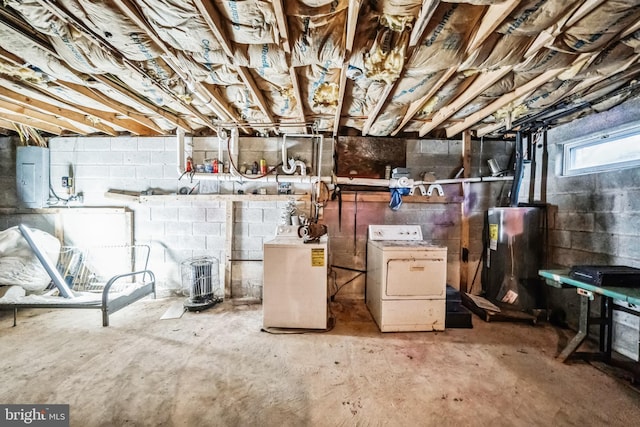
x=32, y=176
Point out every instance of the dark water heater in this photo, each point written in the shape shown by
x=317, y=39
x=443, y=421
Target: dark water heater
x=514, y=251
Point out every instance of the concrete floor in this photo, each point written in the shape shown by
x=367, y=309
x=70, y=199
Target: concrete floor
x=217, y=368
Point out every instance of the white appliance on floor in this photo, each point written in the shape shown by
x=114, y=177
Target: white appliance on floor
x=295, y=291
x=406, y=279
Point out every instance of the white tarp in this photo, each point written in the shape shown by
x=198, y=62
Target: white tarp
x=19, y=265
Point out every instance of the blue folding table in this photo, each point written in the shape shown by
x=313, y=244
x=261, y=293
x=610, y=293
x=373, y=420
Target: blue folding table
x=561, y=279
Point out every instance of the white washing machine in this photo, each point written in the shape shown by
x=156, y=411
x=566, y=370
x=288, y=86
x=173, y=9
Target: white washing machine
x=406, y=279
x=295, y=290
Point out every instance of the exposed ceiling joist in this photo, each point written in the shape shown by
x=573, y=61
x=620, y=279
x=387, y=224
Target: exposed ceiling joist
x=371, y=117
x=502, y=101
x=25, y=101
x=33, y=122
x=420, y=103
x=480, y=83
x=585, y=8
x=352, y=21
x=212, y=18
x=101, y=98
x=43, y=117
x=426, y=12
x=296, y=92
x=341, y=91
x=8, y=125
x=200, y=86
x=282, y=25
x=350, y=33
x=249, y=82
x=493, y=17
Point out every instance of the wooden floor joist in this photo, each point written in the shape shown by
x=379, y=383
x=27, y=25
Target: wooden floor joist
x=479, y=85
x=29, y=113
x=73, y=116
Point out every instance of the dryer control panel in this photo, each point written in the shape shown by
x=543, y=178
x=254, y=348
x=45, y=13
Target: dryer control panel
x=395, y=232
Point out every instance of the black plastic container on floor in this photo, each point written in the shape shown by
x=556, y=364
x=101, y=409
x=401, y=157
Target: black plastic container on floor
x=458, y=316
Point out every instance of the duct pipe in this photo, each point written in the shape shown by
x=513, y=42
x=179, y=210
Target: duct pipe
x=227, y=177
x=385, y=182
x=180, y=150
x=234, y=154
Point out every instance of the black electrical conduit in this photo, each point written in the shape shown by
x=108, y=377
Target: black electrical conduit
x=517, y=178
x=543, y=119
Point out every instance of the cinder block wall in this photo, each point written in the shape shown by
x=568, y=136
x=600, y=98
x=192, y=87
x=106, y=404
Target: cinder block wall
x=595, y=218
x=177, y=230
x=180, y=229
x=440, y=221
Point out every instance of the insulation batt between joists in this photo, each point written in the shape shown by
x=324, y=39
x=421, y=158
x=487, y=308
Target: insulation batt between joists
x=318, y=40
x=37, y=57
x=608, y=62
x=386, y=122
x=399, y=7
x=599, y=27
x=317, y=78
x=364, y=97
x=412, y=88
x=107, y=20
x=478, y=2
x=240, y=98
x=249, y=21
x=455, y=86
x=497, y=51
x=531, y=17
x=314, y=8
x=179, y=25
x=444, y=39
x=549, y=93
x=85, y=56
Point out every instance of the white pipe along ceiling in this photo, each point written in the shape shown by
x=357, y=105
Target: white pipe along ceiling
x=423, y=68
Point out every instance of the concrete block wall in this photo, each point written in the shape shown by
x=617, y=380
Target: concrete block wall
x=597, y=216
x=440, y=222
x=182, y=229
x=255, y=223
x=120, y=163
x=177, y=230
x=594, y=218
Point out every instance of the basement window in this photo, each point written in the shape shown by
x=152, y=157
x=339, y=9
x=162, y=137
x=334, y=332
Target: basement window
x=614, y=149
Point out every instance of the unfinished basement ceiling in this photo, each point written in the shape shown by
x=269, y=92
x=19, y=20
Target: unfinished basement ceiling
x=380, y=68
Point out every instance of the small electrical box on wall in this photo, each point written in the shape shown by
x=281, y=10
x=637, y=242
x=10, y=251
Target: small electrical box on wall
x=32, y=176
